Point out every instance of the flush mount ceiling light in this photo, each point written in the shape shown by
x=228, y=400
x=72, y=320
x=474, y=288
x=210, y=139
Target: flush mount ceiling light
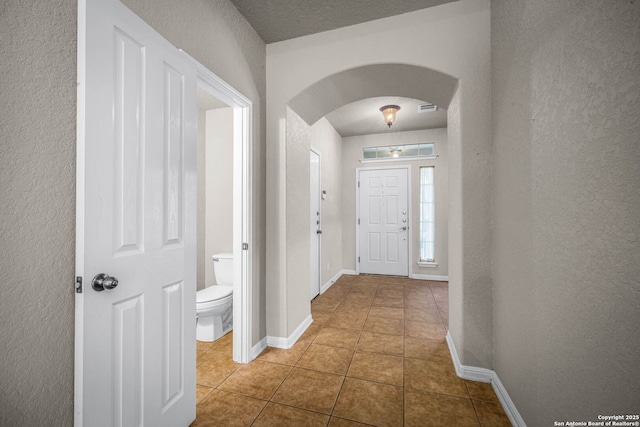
x=389, y=113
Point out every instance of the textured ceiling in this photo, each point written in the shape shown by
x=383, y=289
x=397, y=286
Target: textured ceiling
x=277, y=20
x=364, y=117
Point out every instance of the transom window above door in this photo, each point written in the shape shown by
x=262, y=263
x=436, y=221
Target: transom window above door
x=395, y=151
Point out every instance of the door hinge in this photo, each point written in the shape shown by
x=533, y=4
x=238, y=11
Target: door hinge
x=245, y=246
x=358, y=221
x=79, y=284
x=358, y=184
x=358, y=259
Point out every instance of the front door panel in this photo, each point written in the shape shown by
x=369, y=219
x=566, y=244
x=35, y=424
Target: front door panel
x=384, y=226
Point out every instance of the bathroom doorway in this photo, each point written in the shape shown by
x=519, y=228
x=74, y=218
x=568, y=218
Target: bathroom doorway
x=224, y=196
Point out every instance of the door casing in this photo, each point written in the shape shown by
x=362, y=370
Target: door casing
x=318, y=237
x=242, y=207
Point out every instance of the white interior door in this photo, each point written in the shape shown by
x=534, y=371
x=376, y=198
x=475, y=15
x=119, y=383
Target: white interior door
x=315, y=228
x=135, y=343
x=384, y=221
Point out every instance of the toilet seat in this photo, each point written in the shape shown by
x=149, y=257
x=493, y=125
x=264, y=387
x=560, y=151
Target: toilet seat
x=213, y=293
x=213, y=296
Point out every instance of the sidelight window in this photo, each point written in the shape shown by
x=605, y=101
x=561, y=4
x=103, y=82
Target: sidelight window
x=427, y=215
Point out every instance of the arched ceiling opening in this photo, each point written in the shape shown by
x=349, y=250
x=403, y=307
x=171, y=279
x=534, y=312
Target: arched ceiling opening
x=370, y=81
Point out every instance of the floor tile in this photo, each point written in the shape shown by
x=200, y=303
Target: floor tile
x=312, y=390
x=388, y=302
x=347, y=321
x=310, y=334
x=320, y=317
x=285, y=416
x=417, y=329
x=390, y=292
x=491, y=414
x=422, y=315
x=381, y=343
x=220, y=408
x=433, y=376
x=326, y=304
x=358, y=299
x=257, y=379
x=426, y=349
x=481, y=391
x=370, y=403
x=323, y=358
x=387, y=312
x=335, y=337
x=202, y=392
x=384, y=325
x=381, y=368
x=433, y=409
x=353, y=310
x=285, y=356
x=363, y=289
x=224, y=343
x=341, y=422
x=213, y=367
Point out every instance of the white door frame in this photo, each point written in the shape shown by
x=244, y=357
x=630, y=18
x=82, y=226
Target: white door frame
x=242, y=207
x=316, y=151
x=409, y=210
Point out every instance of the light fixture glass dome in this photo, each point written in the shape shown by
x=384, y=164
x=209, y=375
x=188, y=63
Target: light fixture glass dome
x=389, y=113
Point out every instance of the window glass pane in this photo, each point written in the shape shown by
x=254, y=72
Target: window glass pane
x=369, y=152
x=383, y=152
x=427, y=215
x=426, y=149
x=396, y=151
x=410, y=150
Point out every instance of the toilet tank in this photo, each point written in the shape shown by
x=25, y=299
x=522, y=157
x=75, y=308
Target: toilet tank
x=223, y=268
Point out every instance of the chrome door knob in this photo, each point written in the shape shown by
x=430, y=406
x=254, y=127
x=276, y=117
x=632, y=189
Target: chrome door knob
x=403, y=228
x=103, y=281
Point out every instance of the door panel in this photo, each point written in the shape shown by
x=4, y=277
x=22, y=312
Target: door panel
x=135, y=343
x=383, y=201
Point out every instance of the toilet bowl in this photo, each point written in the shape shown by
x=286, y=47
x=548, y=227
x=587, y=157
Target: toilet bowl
x=214, y=304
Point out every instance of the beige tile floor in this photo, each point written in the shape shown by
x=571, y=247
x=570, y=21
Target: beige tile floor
x=375, y=355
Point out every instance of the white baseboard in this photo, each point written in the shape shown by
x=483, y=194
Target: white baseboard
x=507, y=403
x=281, y=342
x=430, y=277
x=259, y=348
x=350, y=272
x=486, y=376
x=331, y=281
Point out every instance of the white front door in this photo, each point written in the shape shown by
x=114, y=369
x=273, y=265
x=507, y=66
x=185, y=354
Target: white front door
x=315, y=228
x=384, y=221
x=135, y=342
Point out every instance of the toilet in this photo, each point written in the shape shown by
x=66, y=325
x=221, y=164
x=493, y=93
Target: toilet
x=214, y=304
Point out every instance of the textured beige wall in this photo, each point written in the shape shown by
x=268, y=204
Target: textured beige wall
x=297, y=217
x=328, y=142
x=566, y=212
x=352, y=154
x=37, y=172
x=459, y=47
x=218, y=228
x=202, y=196
x=37, y=212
